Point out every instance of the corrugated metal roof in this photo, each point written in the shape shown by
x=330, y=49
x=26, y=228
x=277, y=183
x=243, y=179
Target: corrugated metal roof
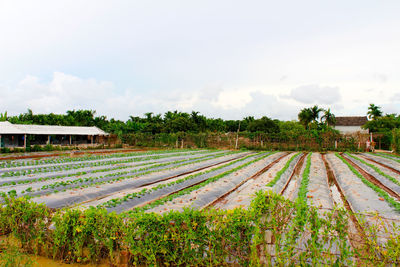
x=8, y=128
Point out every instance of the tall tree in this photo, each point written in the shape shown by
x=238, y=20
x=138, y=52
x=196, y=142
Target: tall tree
x=315, y=110
x=305, y=117
x=374, y=112
x=3, y=117
x=328, y=117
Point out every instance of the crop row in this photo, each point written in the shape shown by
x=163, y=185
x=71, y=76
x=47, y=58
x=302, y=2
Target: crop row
x=188, y=190
x=117, y=201
x=56, y=168
x=378, y=190
x=90, y=157
x=113, y=177
x=280, y=172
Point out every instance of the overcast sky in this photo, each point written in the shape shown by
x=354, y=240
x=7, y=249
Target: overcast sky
x=226, y=59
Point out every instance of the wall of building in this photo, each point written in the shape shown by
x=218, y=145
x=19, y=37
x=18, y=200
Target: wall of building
x=350, y=129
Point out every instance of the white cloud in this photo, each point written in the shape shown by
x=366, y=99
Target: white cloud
x=315, y=94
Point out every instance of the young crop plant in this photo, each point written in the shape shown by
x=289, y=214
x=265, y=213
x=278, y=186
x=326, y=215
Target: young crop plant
x=303, y=189
x=279, y=173
x=379, y=191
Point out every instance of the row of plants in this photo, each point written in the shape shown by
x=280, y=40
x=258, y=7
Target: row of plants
x=117, y=201
x=267, y=233
x=392, y=179
x=119, y=176
x=303, y=189
x=90, y=164
x=280, y=172
x=378, y=190
x=66, y=159
x=388, y=156
x=80, y=173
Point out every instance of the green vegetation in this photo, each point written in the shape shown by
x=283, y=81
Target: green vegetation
x=303, y=189
x=270, y=230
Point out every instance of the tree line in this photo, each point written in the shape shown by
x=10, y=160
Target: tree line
x=175, y=121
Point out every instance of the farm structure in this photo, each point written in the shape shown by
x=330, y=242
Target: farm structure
x=19, y=135
x=351, y=124
x=130, y=185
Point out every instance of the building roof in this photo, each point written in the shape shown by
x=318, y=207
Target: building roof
x=9, y=128
x=351, y=121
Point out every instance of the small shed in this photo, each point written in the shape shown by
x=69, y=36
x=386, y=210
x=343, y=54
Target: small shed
x=351, y=124
x=15, y=135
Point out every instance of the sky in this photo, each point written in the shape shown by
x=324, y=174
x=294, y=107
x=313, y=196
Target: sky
x=225, y=58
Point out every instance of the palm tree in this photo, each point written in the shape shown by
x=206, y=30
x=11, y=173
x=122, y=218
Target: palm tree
x=3, y=117
x=305, y=117
x=328, y=117
x=374, y=112
x=315, y=110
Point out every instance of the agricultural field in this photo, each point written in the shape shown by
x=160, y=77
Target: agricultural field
x=206, y=207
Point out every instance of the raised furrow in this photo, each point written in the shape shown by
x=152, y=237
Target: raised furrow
x=100, y=169
x=109, y=189
x=223, y=197
x=80, y=165
x=177, y=186
x=371, y=175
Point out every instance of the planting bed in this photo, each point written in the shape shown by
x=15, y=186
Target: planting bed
x=323, y=193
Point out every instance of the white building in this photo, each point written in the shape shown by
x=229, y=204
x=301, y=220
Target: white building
x=15, y=135
x=351, y=124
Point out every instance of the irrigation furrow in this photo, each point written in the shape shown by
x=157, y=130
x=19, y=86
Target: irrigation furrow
x=357, y=236
x=178, y=186
x=252, y=177
x=380, y=183
x=105, y=190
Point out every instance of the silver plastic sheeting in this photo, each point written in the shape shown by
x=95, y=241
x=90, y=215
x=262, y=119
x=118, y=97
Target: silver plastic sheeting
x=108, y=189
x=318, y=187
x=379, y=177
x=361, y=197
x=89, y=170
x=177, y=187
x=285, y=176
x=391, y=163
x=230, y=183
x=89, y=163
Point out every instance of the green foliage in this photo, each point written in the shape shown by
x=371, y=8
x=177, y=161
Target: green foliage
x=272, y=230
x=303, y=189
x=374, y=111
x=11, y=256
x=396, y=140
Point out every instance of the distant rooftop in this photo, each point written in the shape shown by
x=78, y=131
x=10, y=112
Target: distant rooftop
x=9, y=128
x=351, y=121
